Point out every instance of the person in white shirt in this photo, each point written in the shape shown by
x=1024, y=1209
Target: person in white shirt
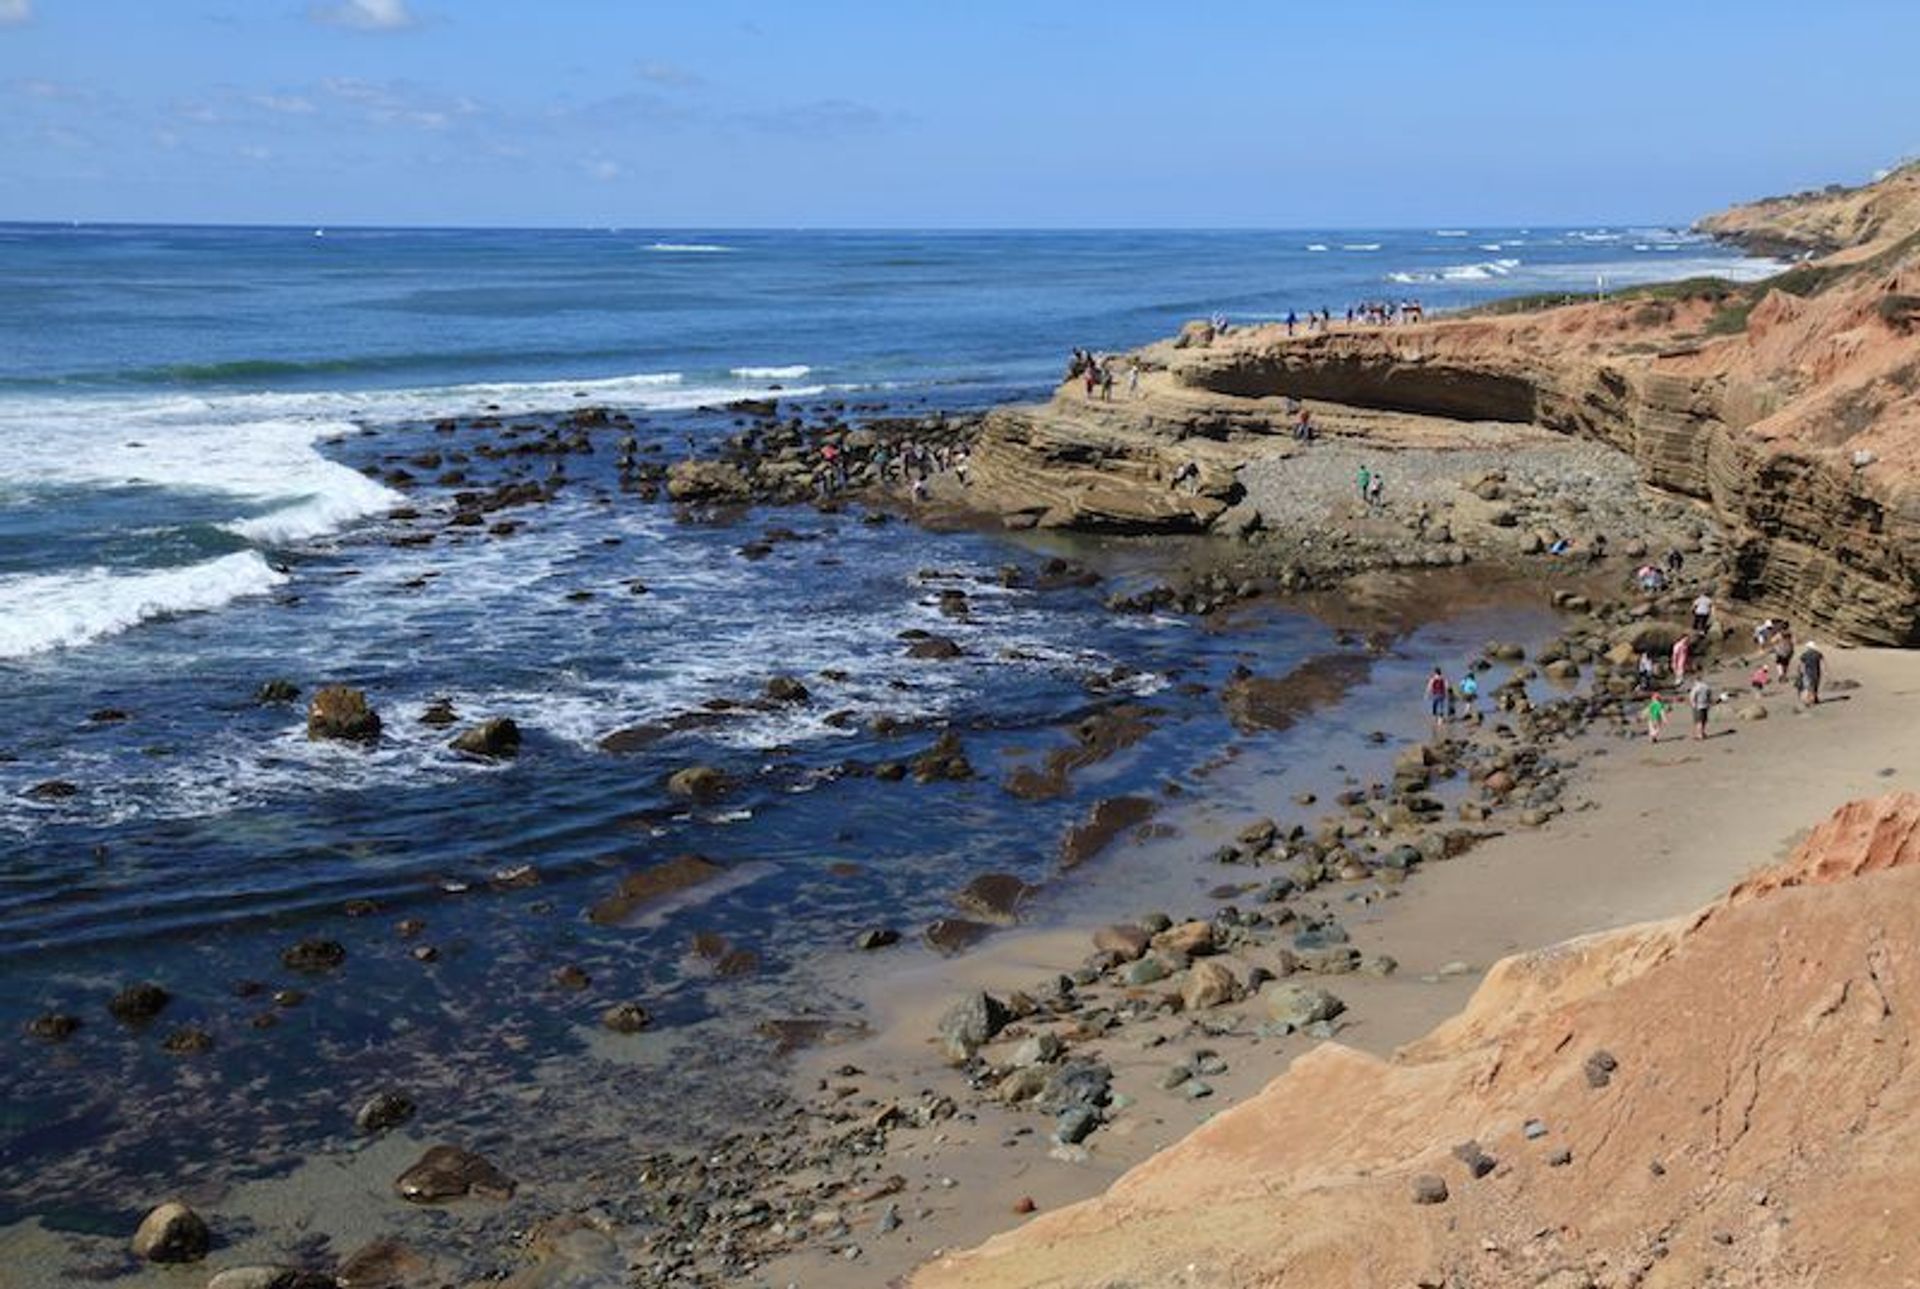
x=1702, y=613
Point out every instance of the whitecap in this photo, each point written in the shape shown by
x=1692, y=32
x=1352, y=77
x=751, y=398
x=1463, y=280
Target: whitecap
x=794, y=372
x=1317, y=246
x=45, y=611
x=689, y=248
x=1361, y=246
x=1450, y=232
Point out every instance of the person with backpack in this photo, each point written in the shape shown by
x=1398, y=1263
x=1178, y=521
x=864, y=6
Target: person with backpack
x=1437, y=700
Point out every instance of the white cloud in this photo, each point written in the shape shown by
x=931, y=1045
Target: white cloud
x=363, y=15
x=15, y=12
x=666, y=75
x=284, y=104
x=399, y=103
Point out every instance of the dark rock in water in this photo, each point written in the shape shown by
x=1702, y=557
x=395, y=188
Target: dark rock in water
x=994, y=897
x=969, y=1024
x=53, y=790
x=791, y=1033
x=649, y=885
x=877, y=938
x=276, y=691
x=172, y=1233
x=698, y=783
x=188, y=1040
x=338, y=712
x=1108, y=820
x=945, y=761
x=108, y=716
x=1257, y=703
x=448, y=1172
x=571, y=978
x=271, y=1277
x=492, y=740
x=626, y=1018
x=707, y=481
x=314, y=955
x=382, y=1111
x=954, y=935
x=53, y=1026
x=439, y=714
x=137, y=1004
x=786, y=689
x=384, y=1263
x=938, y=648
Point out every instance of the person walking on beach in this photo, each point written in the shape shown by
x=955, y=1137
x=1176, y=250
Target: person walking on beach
x=1470, y=698
x=1106, y=381
x=1091, y=376
x=1376, y=489
x=1702, y=613
x=1700, y=699
x=1782, y=640
x=1682, y=655
x=1437, y=700
x=1362, y=479
x=1812, y=663
x=1293, y=320
x=1656, y=716
x=1133, y=379
x=1645, y=672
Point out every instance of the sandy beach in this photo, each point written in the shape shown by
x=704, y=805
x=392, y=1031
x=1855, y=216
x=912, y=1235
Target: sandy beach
x=1652, y=831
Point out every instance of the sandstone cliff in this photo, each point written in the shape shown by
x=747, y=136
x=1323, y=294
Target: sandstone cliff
x=1790, y=409
x=1826, y=221
x=1727, y=1098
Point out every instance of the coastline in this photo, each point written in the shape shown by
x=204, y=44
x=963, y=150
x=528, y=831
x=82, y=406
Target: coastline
x=1654, y=832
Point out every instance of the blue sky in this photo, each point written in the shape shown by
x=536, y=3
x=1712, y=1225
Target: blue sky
x=846, y=113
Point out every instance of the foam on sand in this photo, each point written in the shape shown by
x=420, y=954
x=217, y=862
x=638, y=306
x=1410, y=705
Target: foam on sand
x=59, y=610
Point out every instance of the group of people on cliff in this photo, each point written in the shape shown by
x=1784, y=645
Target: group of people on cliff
x=1095, y=372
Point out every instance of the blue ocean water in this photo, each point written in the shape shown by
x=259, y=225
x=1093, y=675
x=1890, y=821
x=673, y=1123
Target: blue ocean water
x=191, y=422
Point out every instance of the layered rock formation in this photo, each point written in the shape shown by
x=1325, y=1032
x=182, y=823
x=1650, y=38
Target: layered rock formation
x=1791, y=410
x=1827, y=221
x=1726, y=1098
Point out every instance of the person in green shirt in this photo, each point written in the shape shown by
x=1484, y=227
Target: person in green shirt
x=1656, y=717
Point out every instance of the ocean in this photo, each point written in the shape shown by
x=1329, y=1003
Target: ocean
x=192, y=422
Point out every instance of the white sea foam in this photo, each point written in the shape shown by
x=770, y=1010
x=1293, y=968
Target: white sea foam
x=794, y=372
x=59, y=610
x=1361, y=246
x=1317, y=246
x=1450, y=232
x=689, y=248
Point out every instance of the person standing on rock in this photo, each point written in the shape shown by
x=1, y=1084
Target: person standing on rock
x=1700, y=699
x=1470, y=697
x=1437, y=700
x=1682, y=655
x=1812, y=663
x=1133, y=379
x=1702, y=613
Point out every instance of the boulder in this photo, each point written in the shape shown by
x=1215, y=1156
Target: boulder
x=313, y=954
x=698, y=783
x=1190, y=939
x=969, y=1024
x=137, y=1004
x=491, y=740
x=994, y=897
x=938, y=648
x=1302, y=1005
x=341, y=713
x=647, y=886
x=1208, y=984
x=707, y=482
x=447, y=1172
x=172, y=1233
x=787, y=689
x=1126, y=941
x=626, y=1018
x=276, y=691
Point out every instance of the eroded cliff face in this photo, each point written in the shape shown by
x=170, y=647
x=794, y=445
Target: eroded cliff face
x=1799, y=430
x=1726, y=1098
x=1802, y=434
x=1827, y=221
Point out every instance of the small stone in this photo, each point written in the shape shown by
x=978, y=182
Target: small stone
x=447, y=1172
x=1560, y=1158
x=1599, y=1068
x=54, y=1027
x=1196, y=1090
x=314, y=955
x=188, y=1040
x=1479, y=1163
x=626, y=1018
x=137, y=1004
x=1208, y=985
x=1429, y=1189
x=172, y=1233
x=1074, y=1125
x=1024, y=1205
x=1039, y=1049
x=571, y=978
x=1533, y=1130
x=1147, y=971
x=876, y=938
x=970, y=1023
x=382, y=1111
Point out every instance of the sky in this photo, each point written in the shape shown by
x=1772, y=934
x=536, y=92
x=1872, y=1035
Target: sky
x=983, y=113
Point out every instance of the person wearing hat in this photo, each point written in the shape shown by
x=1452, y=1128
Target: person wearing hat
x=1812, y=661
